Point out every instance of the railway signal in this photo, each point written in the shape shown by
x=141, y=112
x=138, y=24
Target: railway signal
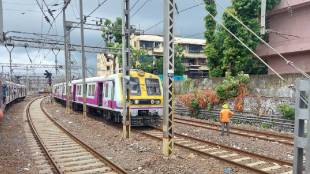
x=48, y=76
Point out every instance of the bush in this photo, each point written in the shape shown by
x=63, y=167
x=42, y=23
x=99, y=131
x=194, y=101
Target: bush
x=287, y=111
x=229, y=87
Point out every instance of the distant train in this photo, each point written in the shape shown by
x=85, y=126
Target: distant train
x=11, y=91
x=105, y=94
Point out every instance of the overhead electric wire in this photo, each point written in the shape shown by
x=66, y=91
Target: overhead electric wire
x=236, y=37
x=46, y=18
x=99, y=5
x=181, y=11
x=140, y=8
x=134, y=5
x=268, y=45
x=48, y=9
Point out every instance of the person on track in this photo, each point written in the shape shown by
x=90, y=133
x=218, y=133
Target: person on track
x=225, y=116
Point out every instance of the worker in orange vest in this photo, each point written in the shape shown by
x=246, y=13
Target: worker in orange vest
x=225, y=116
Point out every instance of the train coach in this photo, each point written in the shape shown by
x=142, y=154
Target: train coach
x=105, y=94
x=11, y=91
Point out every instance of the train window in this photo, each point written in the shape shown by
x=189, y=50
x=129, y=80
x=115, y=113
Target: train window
x=91, y=90
x=134, y=86
x=152, y=86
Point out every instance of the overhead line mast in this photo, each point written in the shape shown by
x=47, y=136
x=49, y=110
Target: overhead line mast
x=168, y=73
x=126, y=68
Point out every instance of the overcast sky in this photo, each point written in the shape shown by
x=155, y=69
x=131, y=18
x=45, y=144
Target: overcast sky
x=26, y=16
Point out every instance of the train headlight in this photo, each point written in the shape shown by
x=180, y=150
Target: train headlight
x=136, y=102
x=157, y=102
x=152, y=102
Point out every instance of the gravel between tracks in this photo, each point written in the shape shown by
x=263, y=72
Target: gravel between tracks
x=138, y=154
x=271, y=149
x=14, y=152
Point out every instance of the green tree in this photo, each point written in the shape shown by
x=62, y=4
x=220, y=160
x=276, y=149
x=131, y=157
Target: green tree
x=112, y=32
x=179, y=68
x=112, y=36
x=224, y=52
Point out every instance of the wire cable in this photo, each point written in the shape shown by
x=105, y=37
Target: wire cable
x=288, y=62
x=140, y=8
x=180, y=12
x=236, y=37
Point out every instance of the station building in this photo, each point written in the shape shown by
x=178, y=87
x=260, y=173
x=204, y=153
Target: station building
x=195, y=61
x=288, y=27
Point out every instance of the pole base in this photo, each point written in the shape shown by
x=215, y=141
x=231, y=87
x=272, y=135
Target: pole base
x=167, y=146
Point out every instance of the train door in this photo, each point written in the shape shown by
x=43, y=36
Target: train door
x=74, y=92
x=111, y=103
x=100, y=93
x=105, y=94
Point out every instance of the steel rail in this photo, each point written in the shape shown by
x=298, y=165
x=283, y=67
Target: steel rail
x=212, y=144
x=53, y=161
x=39, y=140
x=80, y=142
x=249, y=133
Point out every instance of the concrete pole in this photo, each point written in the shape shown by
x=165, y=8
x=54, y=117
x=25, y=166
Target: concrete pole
x=66, y=56
x=83, y=58
x=168, y=73
x=126, y=69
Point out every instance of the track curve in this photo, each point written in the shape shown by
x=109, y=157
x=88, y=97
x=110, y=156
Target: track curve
x=67, y=153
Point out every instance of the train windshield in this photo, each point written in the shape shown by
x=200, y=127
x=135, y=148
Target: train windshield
x=134, y=86
x=152, y=86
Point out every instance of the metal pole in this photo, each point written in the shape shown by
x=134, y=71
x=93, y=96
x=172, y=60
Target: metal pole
x=66, y=55
x=27, y=79
x=168, y=72
x=10, y=54
x=83, y=58
x=263, y=17
x=126, y=69
x=1, y=23
x=301, y=132
x=56, y=61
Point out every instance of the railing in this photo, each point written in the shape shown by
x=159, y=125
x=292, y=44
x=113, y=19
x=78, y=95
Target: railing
x=272, y=121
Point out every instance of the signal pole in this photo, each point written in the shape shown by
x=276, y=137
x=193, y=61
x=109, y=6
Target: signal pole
x=126, y=69
x=83, y=58
x=168, y=73
x=66, y=50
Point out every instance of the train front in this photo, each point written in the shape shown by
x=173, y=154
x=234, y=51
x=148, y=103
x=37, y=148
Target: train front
x=146, y=99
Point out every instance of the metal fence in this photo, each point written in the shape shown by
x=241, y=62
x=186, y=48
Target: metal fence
x=273, y=121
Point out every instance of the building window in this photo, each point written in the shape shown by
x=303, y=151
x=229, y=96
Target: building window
x=195, y=48
x=146, y=44
x=108, y=68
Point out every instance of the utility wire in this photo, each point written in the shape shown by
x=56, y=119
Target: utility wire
x=46, y=18
x=181, y=11
x=99, y=5
x=48, y=9
x=134, y=5
x=140, y=8
x=236, y=37
x=268, y=45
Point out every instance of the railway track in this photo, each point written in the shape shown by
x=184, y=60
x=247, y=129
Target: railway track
x=283, y=139
x=251, y=161
x=66, y=153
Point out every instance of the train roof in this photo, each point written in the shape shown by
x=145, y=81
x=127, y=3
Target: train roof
x=111, y=77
